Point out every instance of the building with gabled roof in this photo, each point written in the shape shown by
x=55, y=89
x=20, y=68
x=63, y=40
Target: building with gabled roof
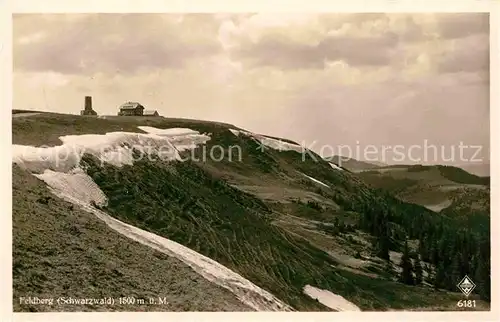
x=150, y=113
x=131, y=109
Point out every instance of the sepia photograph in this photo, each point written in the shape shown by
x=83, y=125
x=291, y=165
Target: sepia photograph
x=251, y=161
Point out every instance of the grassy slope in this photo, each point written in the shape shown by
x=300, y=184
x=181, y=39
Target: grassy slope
x=190, y=207
x=59, y=250
x=235, y=228
x=228, y=225
x=184, y=204
x=50, y=126
x=472, y=207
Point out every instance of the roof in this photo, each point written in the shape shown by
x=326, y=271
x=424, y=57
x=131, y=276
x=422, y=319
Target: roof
x=131, y=106
x=149, y=112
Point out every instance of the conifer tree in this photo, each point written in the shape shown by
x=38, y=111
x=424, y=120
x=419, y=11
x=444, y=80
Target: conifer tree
x=383, y=243
x=406, y=266
x=383, y=247
x=440, y=276
x=418, y=271
x=455, y=271
x=422, y=248
x=435, y=258
x=482, y=278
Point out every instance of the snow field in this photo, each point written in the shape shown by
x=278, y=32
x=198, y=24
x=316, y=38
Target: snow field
x=116, y=148
x=316, y=180
x=329, y=299
x=78, y=188
x=59, y=167
x=336, y=167
x=270, y=142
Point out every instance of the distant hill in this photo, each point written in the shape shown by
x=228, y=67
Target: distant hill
x=378, y=163
x=434, y=187
x=461, y=176
x=479, y=169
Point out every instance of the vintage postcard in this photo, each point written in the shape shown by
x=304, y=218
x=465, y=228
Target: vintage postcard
x=225, y=160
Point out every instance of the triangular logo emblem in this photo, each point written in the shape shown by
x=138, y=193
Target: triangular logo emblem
x=466, y=285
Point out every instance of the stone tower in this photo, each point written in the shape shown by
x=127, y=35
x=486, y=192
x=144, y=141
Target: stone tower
x=88, y=107
x=88, y=103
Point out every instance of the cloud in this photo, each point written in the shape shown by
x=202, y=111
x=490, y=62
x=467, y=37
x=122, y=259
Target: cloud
x=111, y=42
x=282, y=53
x=131, y=43
x=390, y=113
x=458, y=25
x=368, y=39
x=468, y=54
x=335, y=78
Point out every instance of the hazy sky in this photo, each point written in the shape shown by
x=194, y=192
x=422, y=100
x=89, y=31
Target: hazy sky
x=379, y=79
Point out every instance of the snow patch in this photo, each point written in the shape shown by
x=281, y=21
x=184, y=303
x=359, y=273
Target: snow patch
x=316, y=180
x=278, y=144
x=76, y=184
x=78, y=188
x=275, y=144
x=329, y=299
x=168, y=132
x=116, y=148
x=336, y=167
x=236, y=132
x=395, y=258
x=59, y=167
x=182, y=138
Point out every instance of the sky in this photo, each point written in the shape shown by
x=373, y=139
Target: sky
x=323, y=80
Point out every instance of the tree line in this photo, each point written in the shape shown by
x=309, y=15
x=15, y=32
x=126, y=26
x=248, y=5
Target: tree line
x=446, y=251
x=450, y=251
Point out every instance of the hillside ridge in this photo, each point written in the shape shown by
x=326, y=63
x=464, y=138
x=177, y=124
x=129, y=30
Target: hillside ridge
x=286, y=221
